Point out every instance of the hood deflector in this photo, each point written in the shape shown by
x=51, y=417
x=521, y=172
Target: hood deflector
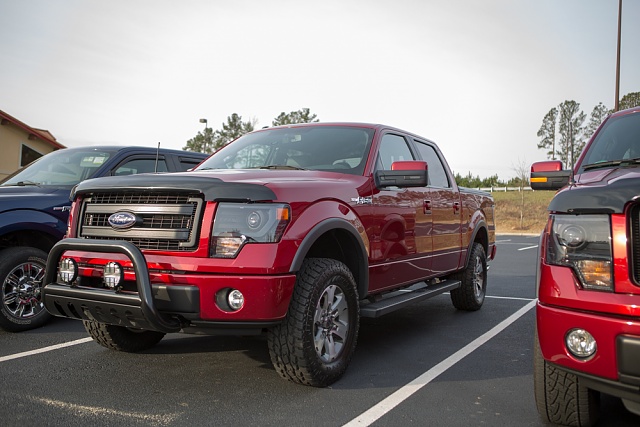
x=214, y=189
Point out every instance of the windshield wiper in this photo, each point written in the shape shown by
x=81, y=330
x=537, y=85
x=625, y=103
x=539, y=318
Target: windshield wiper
x=610, y=163
x=25, y=183
x=289, y=167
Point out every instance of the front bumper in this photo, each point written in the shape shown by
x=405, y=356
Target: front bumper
x=615, y=367
x=167, y=301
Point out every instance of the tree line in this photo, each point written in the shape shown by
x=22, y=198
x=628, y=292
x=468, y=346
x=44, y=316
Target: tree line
x=564, y=133
x=210, y=140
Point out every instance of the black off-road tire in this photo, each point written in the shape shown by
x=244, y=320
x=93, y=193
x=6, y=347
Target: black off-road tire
x=315, y=342
x=121, y=338
x=470, y=295
x=21, y=274
x=560, y=398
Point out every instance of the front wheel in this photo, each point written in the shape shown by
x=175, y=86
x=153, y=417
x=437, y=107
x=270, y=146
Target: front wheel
x=314, y=343
x=470, y=295
x=560, y=398
x=120, y=338
x=21, y=274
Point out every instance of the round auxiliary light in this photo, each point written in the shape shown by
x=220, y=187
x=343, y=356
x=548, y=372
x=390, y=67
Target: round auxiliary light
x=580, y=343
x=112, y=274
x=235, y=299
x=68, y=270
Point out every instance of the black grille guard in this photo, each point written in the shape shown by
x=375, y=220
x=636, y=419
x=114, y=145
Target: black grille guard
x=102, y=305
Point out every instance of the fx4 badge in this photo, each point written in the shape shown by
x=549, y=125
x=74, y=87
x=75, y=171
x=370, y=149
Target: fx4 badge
x=362, y=200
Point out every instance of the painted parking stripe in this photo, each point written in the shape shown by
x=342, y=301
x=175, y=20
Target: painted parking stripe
x=44, y=349
x=528, y=247
x=376, y=412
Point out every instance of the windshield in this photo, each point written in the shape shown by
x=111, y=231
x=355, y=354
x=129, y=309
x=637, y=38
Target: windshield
x=618, y=142
x=329, y=148
x=61, y=167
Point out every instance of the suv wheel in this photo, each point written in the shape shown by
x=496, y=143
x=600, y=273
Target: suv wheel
x=21, y=274
x=314, y=343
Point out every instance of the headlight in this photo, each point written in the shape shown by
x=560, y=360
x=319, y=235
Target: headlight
x=237, y=224
x=583, y=242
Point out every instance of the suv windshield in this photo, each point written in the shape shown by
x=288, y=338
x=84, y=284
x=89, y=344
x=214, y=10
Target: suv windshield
x=617, y=143
x=62, y=167
x=329, y=148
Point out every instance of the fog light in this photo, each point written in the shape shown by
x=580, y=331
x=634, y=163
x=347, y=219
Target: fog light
x=580, y=343
x=112, y=274
x=235, y=299
x=68, y=270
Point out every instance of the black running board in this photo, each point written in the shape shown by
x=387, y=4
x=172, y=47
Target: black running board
x=402, y=298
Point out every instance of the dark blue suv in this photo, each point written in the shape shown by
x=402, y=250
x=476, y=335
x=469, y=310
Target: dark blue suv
x=34, y=208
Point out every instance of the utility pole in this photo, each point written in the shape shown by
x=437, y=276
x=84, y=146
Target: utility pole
x=617, y=103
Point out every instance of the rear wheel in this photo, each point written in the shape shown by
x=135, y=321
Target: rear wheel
x=560, y=398
x=470, y=295
x=121, y=338
x=21, y=274
x=314, y=343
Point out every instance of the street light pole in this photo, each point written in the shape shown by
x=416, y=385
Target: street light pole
x=205, y=134
x=617, y=103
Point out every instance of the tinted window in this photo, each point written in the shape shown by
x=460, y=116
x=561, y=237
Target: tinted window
x=619, y=139
x=437, y=172
x=185, y=163
x=329, y=148
x=141, y=166
x=61, y=167
x=393, y=148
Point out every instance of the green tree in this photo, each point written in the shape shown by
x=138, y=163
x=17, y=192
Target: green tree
x=300, y=116
x=547, y=133
x=598, y=114
x=570, y=120
x=234, y=128
x=630, y=100
x=202, y=142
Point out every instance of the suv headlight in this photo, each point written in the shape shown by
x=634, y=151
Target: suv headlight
x=583, y=242
x=237, y=224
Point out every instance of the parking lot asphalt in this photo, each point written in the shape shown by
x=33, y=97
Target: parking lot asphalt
x=427, y=364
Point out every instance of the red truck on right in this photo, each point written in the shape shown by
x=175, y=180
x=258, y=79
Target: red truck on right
x=587, y=338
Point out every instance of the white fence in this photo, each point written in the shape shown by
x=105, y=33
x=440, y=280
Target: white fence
x=492, y=189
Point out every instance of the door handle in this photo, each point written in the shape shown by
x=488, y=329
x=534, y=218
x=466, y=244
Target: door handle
x=456, y=208
x=427, y=207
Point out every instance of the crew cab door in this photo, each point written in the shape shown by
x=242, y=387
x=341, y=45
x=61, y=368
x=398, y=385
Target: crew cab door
x=401, y=245
x=443, y=199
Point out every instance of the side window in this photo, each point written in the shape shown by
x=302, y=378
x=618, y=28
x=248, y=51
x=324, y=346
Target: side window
x=141, y=166
x=393, y=148
x=185, y=163
x=437, y=172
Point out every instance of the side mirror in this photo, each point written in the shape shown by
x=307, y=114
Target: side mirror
x=412, y=173
x=549, y=175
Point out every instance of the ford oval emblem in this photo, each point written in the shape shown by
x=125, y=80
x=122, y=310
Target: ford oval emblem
x=122, y=220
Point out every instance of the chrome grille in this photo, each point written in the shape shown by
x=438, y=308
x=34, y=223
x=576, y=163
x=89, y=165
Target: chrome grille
x=164, y=221
x=634, y=264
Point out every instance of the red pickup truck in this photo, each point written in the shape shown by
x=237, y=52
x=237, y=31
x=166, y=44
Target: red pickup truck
x=297, y=231
x=588, y=281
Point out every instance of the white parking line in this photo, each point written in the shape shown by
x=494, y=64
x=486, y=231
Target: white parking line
x=528, y=247
x=44, y=349
x=376, y=412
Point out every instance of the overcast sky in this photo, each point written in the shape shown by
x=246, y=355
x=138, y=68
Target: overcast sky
x=477, y=77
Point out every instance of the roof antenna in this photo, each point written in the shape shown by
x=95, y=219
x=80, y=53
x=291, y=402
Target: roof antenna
x=155, y=169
